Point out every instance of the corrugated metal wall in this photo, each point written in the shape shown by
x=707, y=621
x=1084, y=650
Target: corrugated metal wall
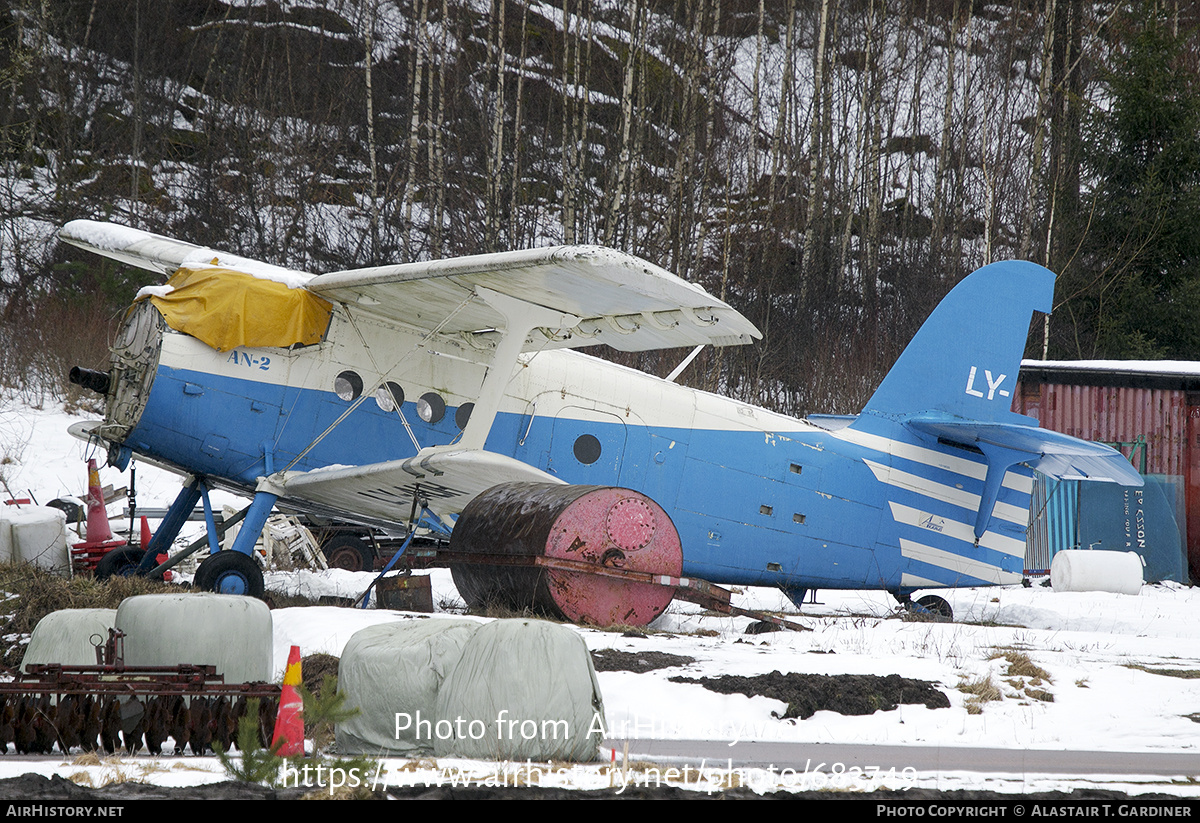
x=1053, y=521
x=1114, y=406
x=1115, y=414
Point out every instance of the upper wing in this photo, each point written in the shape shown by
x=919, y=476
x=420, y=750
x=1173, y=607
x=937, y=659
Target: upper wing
x=381, y=493
x=598, y=295
x=608, y=297
x=154, y=252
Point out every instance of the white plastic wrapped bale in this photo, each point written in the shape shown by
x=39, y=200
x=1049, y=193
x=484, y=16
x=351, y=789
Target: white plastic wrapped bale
x=69, y=637
x=1075, y=570
x=39, y=536
x=231, y=632
x=6, y=544
x=521, y=689
x=391, y=673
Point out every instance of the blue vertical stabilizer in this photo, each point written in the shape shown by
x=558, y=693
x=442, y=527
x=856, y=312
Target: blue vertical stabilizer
x=963, y=362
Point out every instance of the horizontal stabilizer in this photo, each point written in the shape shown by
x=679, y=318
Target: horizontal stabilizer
x=1050, y=452
x=1008, y=444
x=381, y=493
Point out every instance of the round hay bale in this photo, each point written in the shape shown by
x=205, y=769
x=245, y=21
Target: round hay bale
x=522, y=689
x=6, y=542
x=391, y=673
x=228, y=631
x=69, y=637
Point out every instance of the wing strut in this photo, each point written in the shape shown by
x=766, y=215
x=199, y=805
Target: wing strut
x=520, y=318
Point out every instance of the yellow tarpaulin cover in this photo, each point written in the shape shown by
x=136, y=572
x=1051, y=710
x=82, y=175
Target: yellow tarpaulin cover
x=227, y=309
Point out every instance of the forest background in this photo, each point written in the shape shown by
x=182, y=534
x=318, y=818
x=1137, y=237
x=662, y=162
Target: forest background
x=829, y=169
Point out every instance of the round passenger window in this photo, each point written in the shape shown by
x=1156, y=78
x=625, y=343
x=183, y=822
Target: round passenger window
x=389, y=396
x=348, y=385
x=431, y=407
x=587, y=449
x=463, y=414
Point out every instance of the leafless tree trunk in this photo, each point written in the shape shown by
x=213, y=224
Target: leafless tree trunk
x=817, y=147
x=437, y=143
x=414, y=129
x=516, y=234
x=621, y=176
x=372, y=158
x=495, y=157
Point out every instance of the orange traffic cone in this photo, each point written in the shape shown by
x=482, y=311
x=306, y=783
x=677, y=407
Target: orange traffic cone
x=100, y=540
x=289, y=724
x=98, y=530
x=145, y=544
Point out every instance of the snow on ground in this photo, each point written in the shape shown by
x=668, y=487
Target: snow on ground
x=1099, y=649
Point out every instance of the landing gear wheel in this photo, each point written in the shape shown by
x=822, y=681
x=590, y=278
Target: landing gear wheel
x=936, y=608
x=230, y=572
x=345, y=551
x=122, y=562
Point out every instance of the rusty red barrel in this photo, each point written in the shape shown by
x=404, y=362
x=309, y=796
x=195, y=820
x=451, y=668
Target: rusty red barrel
x=599, y=525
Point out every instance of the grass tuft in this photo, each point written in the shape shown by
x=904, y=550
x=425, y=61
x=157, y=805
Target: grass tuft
x=981, y=690
x=1021, y=665
x=31, y=593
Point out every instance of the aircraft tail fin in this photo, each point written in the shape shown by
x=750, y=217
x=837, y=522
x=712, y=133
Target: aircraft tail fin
x=963, y=362
x=955, y=382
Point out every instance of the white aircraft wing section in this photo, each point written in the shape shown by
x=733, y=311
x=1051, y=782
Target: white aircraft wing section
x=131, y=246
x=594, y=295
x=381, y=493
x=157, y=253
x=605, y=296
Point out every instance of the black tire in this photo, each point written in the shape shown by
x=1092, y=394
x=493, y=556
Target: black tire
x=122, y=562
x=345, y=551
x=230, y=572
x=73, y=510
x=935, y=607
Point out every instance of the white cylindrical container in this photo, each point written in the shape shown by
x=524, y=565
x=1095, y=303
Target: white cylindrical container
x=39, y=536
x=1077, y=570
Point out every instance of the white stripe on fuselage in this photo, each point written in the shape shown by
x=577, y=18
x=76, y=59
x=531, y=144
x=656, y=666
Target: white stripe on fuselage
x=956, y=529
x=912, y=581
x=956, y=563
x=946, y=494
x=932, y=457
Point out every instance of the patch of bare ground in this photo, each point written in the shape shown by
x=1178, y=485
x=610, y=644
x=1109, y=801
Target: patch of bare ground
x=807, y=694
x=612, y=660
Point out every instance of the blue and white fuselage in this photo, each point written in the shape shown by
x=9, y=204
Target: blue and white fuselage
x=758, y=498
x=435, y=381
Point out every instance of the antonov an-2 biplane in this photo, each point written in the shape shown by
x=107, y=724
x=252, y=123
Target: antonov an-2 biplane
x=403, y=393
